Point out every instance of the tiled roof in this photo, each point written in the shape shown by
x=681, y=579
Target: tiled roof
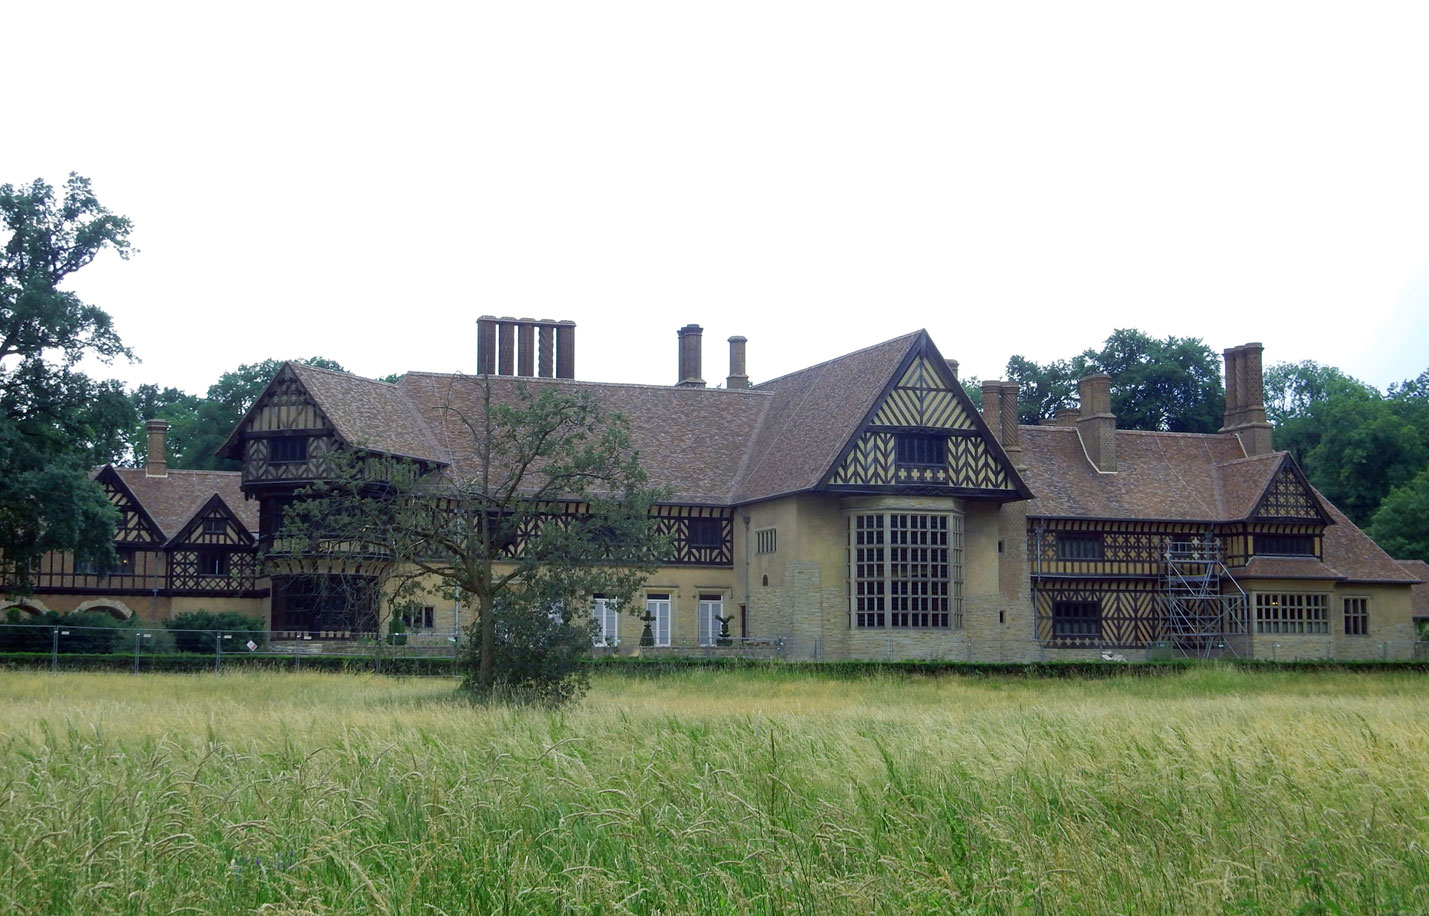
x=1286, y=568
x=1419, y=570
x=370, y=414
x=1244, y=481
x=171, y=501
x=811, y=416
x=1169, y=476
x=690, y=440
x=1352, y=551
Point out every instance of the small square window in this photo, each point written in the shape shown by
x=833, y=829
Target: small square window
x=766, y=540
x=1077, y=619
x=212, y=563
x=287, y=449
x=705, y=533
x=215, y=525
x=1079, y=545
x=1356, y=616
x=922, y=449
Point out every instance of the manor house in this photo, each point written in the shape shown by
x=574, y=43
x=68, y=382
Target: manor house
x=859, y=508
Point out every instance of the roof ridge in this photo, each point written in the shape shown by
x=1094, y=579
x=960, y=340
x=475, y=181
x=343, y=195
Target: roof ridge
x=584, y=383
x=342, y=372
x=838, y=358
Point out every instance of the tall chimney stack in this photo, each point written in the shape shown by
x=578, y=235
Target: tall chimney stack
x=691, y=341
x=565, y=349
x=738, y=378
x=156, y=463
x=531, y=347
x=1097, y=424
x=992, y=407
x=1245, y=399
x=1011, y=440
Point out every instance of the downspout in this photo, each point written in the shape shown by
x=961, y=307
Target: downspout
x=742, y=633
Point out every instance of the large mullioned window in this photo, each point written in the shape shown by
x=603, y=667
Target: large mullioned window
x=905, y=570
x=1291, y=613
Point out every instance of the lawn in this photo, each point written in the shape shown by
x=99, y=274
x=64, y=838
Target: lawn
x=756, y=791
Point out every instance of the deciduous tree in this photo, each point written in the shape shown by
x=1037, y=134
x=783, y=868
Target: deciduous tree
x=54, y=421
x=497, y=536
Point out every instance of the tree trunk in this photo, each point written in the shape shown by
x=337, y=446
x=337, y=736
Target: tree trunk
x=488, y=643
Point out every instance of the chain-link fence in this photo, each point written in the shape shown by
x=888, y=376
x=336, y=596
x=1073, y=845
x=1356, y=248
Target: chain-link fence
x=141, y=648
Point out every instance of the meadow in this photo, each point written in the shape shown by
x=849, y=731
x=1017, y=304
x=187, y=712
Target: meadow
x=721, y=792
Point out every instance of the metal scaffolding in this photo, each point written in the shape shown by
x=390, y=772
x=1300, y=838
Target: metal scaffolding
x=1204, y=609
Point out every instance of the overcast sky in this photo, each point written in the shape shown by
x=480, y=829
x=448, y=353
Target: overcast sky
x=363, y=181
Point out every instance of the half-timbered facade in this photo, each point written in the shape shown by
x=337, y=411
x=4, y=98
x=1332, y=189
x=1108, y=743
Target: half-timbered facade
x=863, y=508
x=184, y=542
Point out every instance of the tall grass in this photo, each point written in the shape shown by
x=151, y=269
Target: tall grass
x=716, y=792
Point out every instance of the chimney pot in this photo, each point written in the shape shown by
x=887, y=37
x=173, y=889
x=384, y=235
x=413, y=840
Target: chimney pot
x=738, y=378
x=506, y=356
x=992, y=407
x=565, y=349
x=156, y=463
x=691, y=341
x=1245, y=399
x=1097, y=424
x=486, y=345
x=526, y=347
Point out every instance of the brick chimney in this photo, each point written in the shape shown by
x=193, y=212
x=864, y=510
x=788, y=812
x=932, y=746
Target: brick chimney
x=992, y=407
x=156, y=463
x=738, y=378
x=691, y=343
x=1010, y=439
x=1245, y=399
x=1097, y=424
x=527, y=347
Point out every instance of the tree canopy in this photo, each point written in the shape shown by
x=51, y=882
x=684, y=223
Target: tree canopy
x=1172, y=384
x=1401, y=523
x=55, y=422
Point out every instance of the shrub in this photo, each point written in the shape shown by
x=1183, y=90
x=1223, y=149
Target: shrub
x=195, y=631
x=540, y=657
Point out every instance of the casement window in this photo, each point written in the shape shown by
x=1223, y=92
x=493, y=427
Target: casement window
x=124, y=563
x=766, y=540
x=1356, y=611
x=1284, y=545
x=1073, y=619
x=215, y=526
x=704, y=533
x=711, y=607
x=658, y=607
x=420, y=618
x=1080, y=545
x=1291, y=613
x=287, y=449
x=922, y=449
x=905, y=570
x=213, y=562
x=607, y=621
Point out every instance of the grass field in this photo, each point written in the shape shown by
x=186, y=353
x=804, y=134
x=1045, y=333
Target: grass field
x=1210, y=791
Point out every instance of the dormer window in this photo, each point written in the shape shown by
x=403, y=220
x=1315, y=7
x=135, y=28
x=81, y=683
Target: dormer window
x=288, y=450
x=923, y=449
x=1080, y=545
x=1284, y=545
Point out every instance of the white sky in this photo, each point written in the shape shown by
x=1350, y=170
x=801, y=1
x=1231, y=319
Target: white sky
x=362, y=181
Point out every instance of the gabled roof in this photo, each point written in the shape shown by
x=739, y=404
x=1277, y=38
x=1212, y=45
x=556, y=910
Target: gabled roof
x=689, y=439
x=811, y=416
x=376, y=416
x=173, y=500
x=1165, y=476
x=364, y=413
x=214, y=506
